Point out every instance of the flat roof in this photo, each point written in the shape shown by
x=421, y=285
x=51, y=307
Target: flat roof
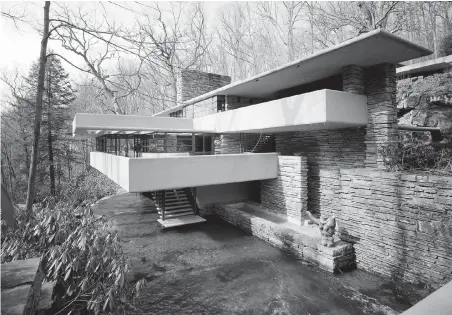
x=372, y=48
x=425, y=66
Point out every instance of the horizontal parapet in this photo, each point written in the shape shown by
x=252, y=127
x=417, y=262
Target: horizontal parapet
x=323, y=109
x=172, y=172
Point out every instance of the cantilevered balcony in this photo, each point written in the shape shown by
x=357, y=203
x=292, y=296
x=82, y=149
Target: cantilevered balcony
x=143, y=174
x=322, y=109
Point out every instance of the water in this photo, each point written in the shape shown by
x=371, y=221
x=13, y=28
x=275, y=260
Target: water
x=215, y=268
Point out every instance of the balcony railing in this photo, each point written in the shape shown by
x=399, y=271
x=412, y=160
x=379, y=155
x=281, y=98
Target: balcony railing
x=155, y=144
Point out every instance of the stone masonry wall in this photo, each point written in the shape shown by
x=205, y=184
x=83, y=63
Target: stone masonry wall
x=381, y=91
x=193, y=83
x=303, y=243
x=353, y=79
x=171, y=143
x=228, y=144
x=400, y=223
x=324, y=150
x=288, y=193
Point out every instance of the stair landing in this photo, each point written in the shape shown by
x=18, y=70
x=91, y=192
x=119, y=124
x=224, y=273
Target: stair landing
x=185, y=220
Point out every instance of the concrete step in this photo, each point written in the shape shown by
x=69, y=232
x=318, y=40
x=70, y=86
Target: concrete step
x=185, y=209
x=174, y=199
x=175, y=215
x=176, y=206
x=185, y=220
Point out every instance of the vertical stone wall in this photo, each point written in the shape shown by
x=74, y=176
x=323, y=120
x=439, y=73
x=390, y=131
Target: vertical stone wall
x=329, y=191
x=324, y=150
x=228, y=144
x=380, y=81
x=171, y=143
x=401, y=223
x=353, y=79
x=193, y=83
x=288, y=193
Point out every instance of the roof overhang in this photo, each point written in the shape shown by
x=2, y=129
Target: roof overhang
x=366, y=50
x=425, y=66
x=322, y=109
x=99, y=124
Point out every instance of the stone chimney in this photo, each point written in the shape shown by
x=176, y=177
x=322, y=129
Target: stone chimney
x=193, y=83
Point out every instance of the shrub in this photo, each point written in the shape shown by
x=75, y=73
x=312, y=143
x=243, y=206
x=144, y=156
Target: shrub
x=415, y=154
x=87, y=187
x=80, y=253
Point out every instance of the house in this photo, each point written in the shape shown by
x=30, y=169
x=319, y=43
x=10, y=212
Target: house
x=272, y=138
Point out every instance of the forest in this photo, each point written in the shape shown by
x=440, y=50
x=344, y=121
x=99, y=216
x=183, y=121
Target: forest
x=126, y=56
x=130, y=67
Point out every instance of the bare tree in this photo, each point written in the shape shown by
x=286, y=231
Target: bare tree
x=169, y=39
x=284, y=16
x=38, y=113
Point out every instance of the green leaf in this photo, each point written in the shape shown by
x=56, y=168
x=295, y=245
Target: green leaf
x=68, y=273
x=105, y=305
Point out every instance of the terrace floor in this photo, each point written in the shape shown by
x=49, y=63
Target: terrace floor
x=215, y=268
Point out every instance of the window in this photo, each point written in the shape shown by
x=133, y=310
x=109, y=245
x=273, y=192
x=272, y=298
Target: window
x=178, y=114
x=221, y=103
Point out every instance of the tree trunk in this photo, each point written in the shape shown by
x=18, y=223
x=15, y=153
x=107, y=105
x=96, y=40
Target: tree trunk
x=51, y=162
x=38, y=113
x=49, y=134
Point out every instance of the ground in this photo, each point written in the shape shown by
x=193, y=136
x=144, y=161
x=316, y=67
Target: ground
x=215, y=268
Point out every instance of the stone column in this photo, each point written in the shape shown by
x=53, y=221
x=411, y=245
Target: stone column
x=171, y=143
x=381, y=91
x=353, y=79
x=287, y=194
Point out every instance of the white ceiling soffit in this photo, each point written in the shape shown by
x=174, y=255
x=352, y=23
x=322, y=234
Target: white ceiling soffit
x=369, y=49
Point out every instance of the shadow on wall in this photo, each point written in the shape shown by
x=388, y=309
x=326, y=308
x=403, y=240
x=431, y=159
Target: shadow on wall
x=286, y=195
x=312, y=154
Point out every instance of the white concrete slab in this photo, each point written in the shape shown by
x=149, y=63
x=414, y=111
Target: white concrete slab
x=322, y=109
x=366, y=50
x=159, y=173
x=424, y=66
x=185, y=220
x=98, y=124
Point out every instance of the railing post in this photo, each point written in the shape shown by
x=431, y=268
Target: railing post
x=163, y=205
x=194, y=201
x=212, y=143
x=165, y=143
x=193, y=146
x=116, y=144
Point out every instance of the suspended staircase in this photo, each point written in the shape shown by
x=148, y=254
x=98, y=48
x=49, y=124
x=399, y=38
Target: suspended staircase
x=259, y=143
x=176, y=206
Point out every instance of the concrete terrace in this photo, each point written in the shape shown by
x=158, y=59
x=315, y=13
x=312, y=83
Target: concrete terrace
x=215, y=268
